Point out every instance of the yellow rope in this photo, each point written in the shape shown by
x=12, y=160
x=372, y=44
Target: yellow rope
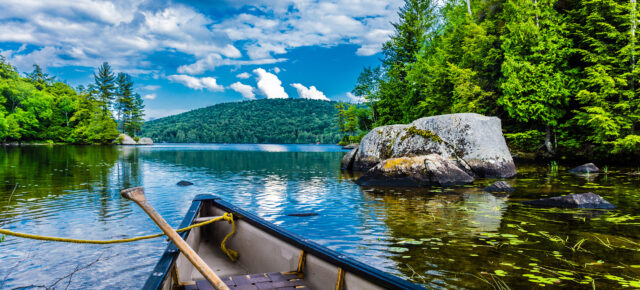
x=233, y=255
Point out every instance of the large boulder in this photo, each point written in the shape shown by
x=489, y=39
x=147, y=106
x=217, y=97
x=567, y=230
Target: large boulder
x=473, y=140
x=424, y=170
x=582, y=200
x=124, y=139
x=347, y=159
x=585, y=168
x=145, y=141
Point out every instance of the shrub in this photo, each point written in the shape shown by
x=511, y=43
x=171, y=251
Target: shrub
x=527, y=141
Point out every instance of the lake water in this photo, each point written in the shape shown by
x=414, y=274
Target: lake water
x=442, y=238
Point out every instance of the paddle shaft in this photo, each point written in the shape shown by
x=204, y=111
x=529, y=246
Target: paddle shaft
x=136, y=194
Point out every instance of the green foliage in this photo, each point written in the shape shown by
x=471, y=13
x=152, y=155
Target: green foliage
x=128, y=105
x=105, y=85
x=260, y=121
x=354, y=121
x=628, y=144
x=527, y=141
x=560, y=74
x=37, y=108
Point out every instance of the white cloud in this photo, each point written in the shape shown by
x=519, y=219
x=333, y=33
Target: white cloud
x=270, y=85
x=288, y=24
x=150, y=87
x=195, y=83
x=245, y=90
x=309, y=93
x=276, y=70
x=126, y=32
x=150, y=97
x=244, y=75
x=356, y=99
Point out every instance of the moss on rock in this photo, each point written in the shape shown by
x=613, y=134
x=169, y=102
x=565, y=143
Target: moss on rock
x=413, y=131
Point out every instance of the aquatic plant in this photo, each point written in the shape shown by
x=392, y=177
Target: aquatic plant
x=553, y=167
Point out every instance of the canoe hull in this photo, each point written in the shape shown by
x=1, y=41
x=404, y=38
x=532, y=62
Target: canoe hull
x=263, y=248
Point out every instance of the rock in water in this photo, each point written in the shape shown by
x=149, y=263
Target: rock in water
x=415, y=171
x=145, y=141
x=471, y=139
x=585, y=168
x=184, y=183
x=351, y=146
x=347, y=159
x=499, y=186
x=582, y=200
x=125, y=139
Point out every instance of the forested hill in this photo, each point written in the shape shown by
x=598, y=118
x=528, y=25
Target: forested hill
x=260, y=121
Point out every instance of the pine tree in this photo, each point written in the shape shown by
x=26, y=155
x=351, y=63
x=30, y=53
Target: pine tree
x=104, y=86
x=537, y=80
x=396, y=98
x=134, y=113
x=124, y=98
x=39, y=78
x=606, y=37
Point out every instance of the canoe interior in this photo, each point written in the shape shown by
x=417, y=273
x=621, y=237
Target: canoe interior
x=263, y=248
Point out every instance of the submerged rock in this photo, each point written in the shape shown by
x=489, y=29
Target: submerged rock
x=582, y=200
x=499, y=186
x=145, y=141
x=585, y=168
x=416, y=171
x=471, y=139
x=124, y=139
x=184, y=183
x=347, y=159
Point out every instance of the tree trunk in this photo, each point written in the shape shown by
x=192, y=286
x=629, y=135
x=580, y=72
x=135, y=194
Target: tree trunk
x=469, y=6
x=547, y=140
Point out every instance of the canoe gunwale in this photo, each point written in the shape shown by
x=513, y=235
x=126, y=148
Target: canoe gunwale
x=170, y=255
x=350, y=265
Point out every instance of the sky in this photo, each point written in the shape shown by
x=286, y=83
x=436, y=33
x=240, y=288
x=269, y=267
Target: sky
x=184, y=55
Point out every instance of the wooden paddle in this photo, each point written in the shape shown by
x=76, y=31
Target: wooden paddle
x=136, y=194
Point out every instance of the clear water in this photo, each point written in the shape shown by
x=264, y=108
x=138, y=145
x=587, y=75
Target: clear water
x=442, y=238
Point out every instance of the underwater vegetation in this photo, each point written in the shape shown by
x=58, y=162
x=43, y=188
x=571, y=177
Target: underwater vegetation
x=465, y=238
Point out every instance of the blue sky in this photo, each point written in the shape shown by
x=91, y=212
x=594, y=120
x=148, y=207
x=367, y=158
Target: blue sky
x=190, y=54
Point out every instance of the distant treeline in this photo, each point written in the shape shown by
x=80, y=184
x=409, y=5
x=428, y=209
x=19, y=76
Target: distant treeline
x=260, y=121
x=38, y=108
x=561, y=74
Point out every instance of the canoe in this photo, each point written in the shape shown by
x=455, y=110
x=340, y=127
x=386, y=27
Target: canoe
x=269, y=257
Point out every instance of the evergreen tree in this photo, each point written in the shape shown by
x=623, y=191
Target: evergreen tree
x=607, y=105
x=537, y=81
x=396, y=98
x=134, y=114
x=39, y=78
x=124, y=98
x=104, y=86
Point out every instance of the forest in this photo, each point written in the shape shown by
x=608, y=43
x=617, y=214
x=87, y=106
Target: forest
x=259, y=121
x=561, y=74
x=38, y=108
